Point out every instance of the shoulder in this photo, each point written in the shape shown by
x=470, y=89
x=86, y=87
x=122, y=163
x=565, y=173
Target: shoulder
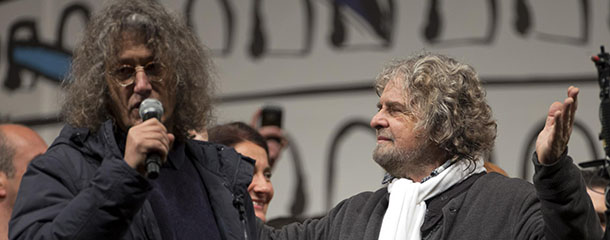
x=222, y=160
x=217, y=155
x=363, y=202
x=499, y=188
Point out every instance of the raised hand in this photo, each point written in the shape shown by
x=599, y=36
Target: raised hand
x=553, y=139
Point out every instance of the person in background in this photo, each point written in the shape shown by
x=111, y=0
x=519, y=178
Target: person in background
x=273, y=135
x=18, y=146
x=596, y=185
x=247, y=141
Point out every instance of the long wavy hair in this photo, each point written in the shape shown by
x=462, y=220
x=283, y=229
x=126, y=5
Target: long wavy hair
x=448, y=101
x=190, y=69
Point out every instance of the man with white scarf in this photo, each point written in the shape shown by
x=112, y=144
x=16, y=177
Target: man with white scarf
x=434, y=129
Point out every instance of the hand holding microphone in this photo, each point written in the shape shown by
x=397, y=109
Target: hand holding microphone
x=148, y=142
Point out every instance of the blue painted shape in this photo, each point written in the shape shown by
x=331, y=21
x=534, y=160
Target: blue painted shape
x=46, y=61
x=356, y=5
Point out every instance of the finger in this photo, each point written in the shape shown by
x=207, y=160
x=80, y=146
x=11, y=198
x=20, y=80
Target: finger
x=155, y=136
x=550, y=119
x=255, y=118
x=156, y=146
x=568, y=117
x=270, y=131
x=573, y=93
x=557, y=128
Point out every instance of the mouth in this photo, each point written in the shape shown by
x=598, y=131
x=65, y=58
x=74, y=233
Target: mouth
x=258, y=204
x=136, y=106
x=382, y=139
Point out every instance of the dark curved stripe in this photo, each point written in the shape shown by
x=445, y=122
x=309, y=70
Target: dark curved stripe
x=363, y=86
x=490, y=82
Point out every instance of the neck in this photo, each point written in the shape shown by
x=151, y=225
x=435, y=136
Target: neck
x=5, y=216
x=433, y=159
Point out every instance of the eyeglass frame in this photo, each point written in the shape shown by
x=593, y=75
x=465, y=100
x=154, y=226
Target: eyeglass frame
x=131, y=79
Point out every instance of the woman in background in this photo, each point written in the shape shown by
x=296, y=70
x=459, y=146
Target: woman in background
x=247, y=141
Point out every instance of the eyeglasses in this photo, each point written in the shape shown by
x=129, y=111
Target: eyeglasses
x=125, y=74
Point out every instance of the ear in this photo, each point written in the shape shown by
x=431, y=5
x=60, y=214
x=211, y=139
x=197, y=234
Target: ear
x=3, y=184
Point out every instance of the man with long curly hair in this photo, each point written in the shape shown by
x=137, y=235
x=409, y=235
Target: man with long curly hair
x=92, y=183
x=434, y=130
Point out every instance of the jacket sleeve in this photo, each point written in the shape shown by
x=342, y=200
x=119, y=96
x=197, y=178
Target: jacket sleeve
x=52, y=205
x=309, y=229
x=567, y=211
x=358, y=217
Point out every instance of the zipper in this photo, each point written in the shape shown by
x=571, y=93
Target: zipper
x=238, y=202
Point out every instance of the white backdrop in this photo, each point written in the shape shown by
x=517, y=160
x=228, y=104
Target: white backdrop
x=528, y=55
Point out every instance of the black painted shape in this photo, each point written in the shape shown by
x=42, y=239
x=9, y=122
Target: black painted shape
x=299, y=201
x=309, y=28
x=337, y=36
x=381, y=21
x=583, y=39
x=433, y=28
x=332, y=155
x=533, y=136
x=13, y=79
x=259, y=46
x=229, y=33
x=523, y=20
x=67, y=12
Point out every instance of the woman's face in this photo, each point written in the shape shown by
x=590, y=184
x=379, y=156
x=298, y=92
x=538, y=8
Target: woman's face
x=260, y=189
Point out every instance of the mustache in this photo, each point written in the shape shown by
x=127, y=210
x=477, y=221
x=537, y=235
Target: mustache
x=384, y=133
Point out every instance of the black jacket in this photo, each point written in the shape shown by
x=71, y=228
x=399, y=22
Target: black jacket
x=556, y=206
x=81, y=188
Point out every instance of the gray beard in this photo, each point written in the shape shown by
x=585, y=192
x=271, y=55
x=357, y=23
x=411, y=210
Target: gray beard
x=399, y=163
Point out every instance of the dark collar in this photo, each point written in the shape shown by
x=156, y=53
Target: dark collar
x=434, y=212
x=176, y=156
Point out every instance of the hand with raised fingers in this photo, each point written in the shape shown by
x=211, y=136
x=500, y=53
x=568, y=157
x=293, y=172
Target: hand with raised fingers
x=553, y=139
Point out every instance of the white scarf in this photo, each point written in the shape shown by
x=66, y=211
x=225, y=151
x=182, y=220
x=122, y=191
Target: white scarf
x=407, y=207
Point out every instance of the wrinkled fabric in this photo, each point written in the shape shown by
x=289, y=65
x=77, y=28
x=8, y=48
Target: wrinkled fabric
x=557, y=206
x=81, y=188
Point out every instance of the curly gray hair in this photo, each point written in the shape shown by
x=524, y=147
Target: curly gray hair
x=448, y=101
x=87, y=103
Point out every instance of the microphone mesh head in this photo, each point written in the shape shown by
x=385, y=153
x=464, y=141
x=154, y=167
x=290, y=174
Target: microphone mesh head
x=150, y=108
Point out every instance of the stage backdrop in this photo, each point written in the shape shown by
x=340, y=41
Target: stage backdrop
x=318, y=58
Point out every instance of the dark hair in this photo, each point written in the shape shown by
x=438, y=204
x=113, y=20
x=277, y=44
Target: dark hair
x=231, y=134
x=87, y=103
x=7, y=153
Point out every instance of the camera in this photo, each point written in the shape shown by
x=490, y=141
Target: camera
x=271, y=115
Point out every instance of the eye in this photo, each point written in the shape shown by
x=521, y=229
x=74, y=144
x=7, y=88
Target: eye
x=267, y=175
x=124, y=72
x=153, y=69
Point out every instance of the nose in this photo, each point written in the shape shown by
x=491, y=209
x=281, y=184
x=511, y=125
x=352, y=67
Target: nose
x=379, y=121
x=261, y=186
x=142, y=83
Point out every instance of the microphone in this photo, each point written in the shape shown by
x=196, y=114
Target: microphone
x=152, y=108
